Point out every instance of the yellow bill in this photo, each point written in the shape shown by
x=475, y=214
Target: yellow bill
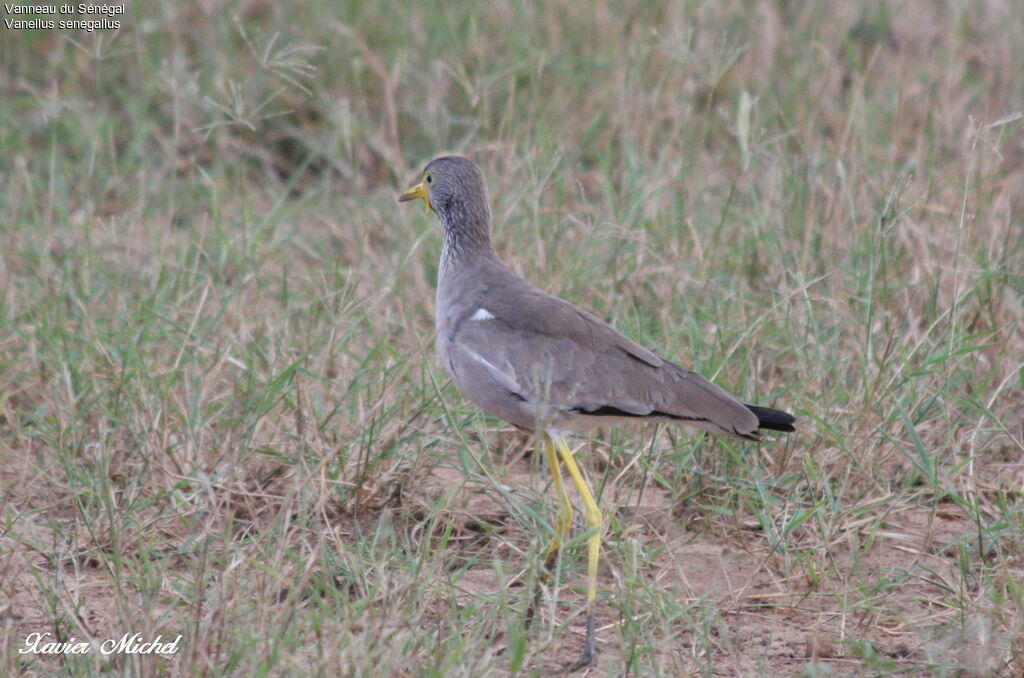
x=417, y=191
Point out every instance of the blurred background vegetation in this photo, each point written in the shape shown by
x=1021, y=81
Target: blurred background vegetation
x=220, y=414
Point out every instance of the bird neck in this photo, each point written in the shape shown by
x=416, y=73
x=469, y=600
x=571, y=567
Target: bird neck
x=466, y=242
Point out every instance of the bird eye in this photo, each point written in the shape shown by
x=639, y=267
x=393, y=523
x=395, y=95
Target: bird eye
x=429, y=178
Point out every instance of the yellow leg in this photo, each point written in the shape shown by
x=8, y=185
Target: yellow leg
x=595, y=523
x=563, y=521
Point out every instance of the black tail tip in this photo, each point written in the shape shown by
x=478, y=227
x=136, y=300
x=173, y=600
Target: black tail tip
x=773, y=420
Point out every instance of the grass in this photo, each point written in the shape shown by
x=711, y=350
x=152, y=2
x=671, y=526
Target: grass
x=220, y=411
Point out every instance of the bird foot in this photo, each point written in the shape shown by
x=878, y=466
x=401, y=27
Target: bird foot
x=589, y=655
x=542, y=579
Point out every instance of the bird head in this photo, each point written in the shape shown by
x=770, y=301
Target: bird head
x=451, y=186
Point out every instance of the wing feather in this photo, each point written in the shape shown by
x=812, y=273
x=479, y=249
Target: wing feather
x=547, y=351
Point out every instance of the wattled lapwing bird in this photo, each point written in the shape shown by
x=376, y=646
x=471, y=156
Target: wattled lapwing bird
x=548, y=367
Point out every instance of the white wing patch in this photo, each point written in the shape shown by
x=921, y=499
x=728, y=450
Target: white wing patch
x=482, y=314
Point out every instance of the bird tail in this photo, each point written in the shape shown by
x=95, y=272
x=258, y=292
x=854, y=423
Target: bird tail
x=772, y=419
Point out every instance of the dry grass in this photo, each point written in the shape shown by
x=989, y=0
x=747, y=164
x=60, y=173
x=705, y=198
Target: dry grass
x=221, y=416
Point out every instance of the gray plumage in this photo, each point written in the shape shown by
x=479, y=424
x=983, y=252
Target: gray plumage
x=539, y=362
